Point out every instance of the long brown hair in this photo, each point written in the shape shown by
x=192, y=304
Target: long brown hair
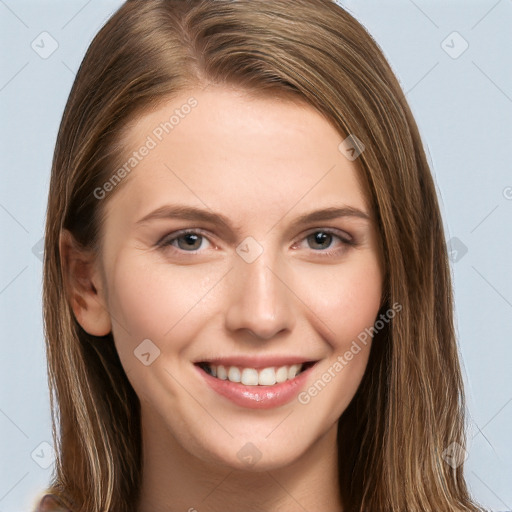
x=410, y=406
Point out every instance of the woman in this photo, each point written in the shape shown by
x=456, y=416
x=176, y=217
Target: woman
x=247, y=294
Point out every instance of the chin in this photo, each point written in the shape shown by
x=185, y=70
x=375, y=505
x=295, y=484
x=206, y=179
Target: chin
x=253, y=455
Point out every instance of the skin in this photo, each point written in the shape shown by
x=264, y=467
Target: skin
x=261, y=162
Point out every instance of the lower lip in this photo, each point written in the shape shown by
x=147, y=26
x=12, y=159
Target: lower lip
x=257, y=397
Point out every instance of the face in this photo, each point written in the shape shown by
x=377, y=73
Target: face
x=241, y=245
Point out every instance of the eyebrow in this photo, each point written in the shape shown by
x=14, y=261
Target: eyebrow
x=197, y=214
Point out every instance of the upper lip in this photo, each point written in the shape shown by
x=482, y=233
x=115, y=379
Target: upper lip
x=257, y=361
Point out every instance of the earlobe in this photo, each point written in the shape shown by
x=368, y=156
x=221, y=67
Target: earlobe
x=84, y=286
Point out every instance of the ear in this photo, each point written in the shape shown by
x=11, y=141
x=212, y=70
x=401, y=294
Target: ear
x=84, y=286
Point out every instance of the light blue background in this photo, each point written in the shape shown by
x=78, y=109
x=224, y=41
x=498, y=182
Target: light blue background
x=463, y=107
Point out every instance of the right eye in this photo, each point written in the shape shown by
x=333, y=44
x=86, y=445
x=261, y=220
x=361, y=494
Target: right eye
x=185, y=240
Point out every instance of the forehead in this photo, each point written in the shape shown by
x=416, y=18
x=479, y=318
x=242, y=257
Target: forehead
x=232, y=151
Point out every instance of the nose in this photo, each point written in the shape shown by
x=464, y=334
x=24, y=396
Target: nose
x=259, y=300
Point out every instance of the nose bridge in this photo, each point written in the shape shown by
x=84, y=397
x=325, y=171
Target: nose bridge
x=259, y=300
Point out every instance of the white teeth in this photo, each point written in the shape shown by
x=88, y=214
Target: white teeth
x=282, y=374
x=221, y=372
x=252, y=377
x=234, y=374
x=249, y=377
x=267, y=377
x=294, y=370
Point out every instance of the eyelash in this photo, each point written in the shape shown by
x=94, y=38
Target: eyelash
x=165, y=242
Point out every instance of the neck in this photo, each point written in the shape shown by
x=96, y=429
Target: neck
x=176, y=481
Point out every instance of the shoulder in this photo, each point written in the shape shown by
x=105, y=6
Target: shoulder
x=50, y=503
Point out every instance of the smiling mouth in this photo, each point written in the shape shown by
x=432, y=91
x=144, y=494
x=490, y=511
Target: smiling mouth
x=269, y=376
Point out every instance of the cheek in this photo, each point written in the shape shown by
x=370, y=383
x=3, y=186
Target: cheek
x=345, y=297
x=156, y=302
x=347, y=300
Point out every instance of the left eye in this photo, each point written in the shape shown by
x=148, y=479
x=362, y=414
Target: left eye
x=321, y=239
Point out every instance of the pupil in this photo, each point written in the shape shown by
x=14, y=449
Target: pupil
x=190, y=240
x=322, y=239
